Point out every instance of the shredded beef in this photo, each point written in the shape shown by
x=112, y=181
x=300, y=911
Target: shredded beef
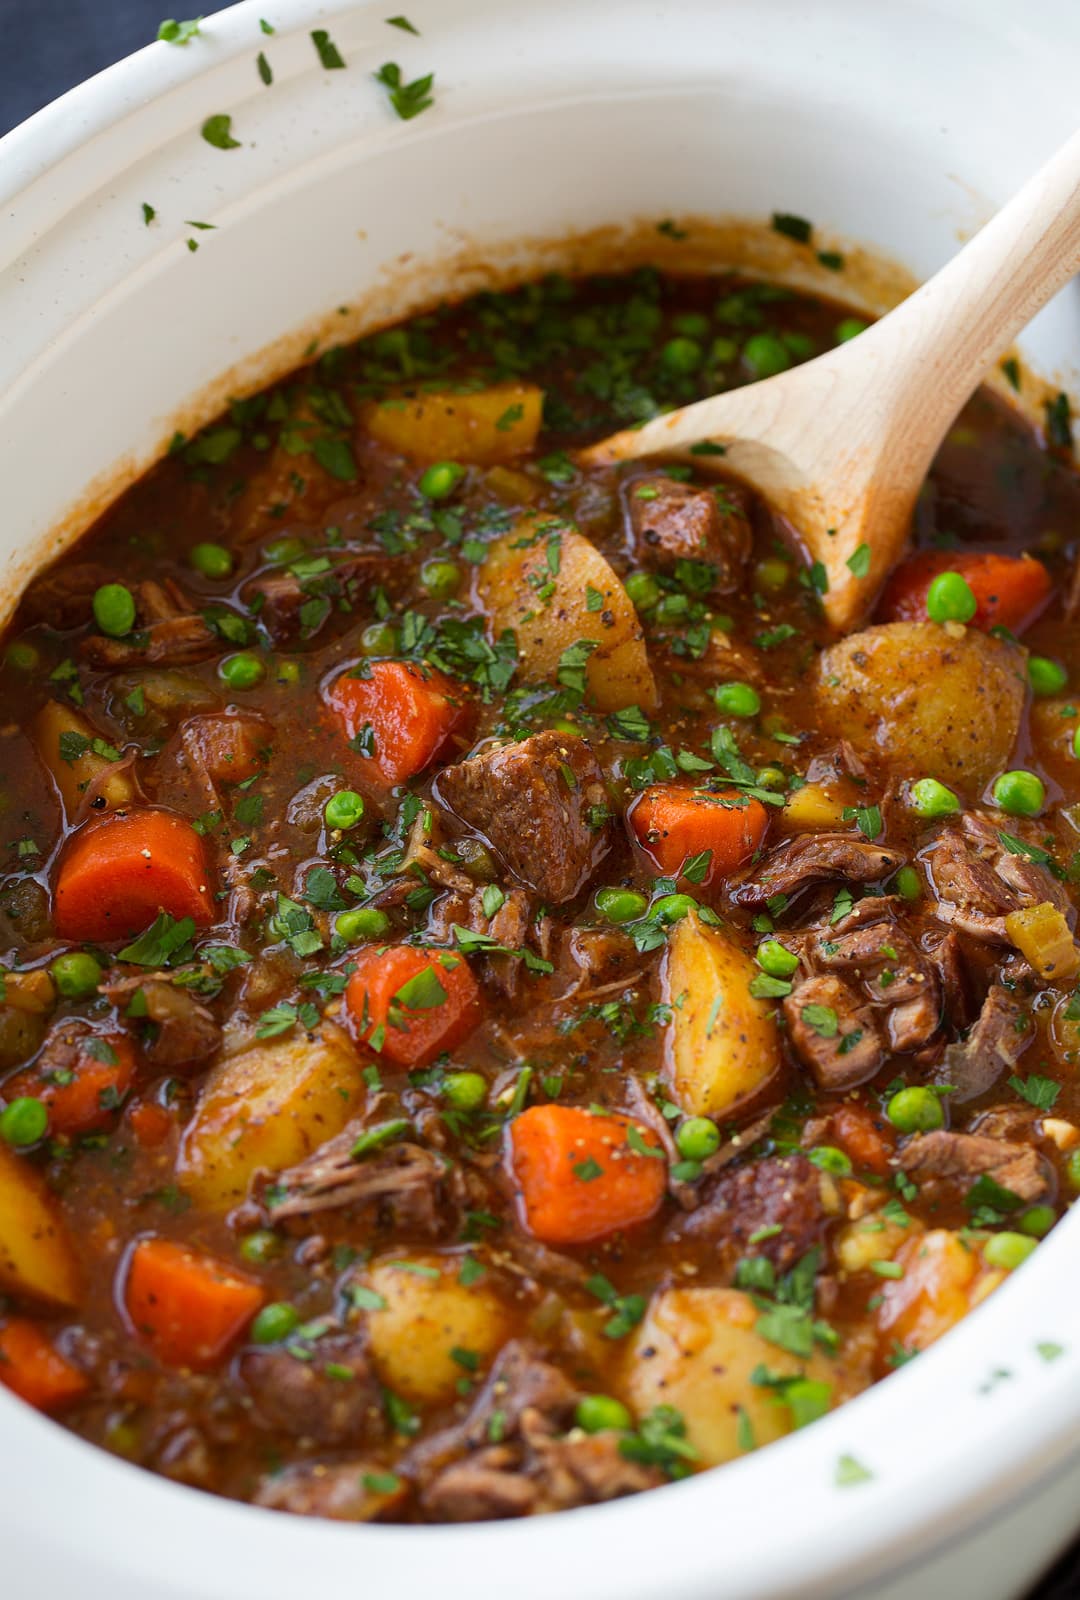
x=339, y=1490
x=840, y=1045
x=946, y=1166
x=183, y=1033
x=672, y=522
x=541, y=804
x=291, y=603
x=62, y=598
x=992, y=1048
x=809, y=858
x=413, y=1187
x=894, y=974
x=978, y=881
x=775, y=1192
x=302, y=1389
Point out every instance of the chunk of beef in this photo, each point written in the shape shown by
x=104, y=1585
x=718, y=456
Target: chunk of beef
x=947, y=1165
x=183, y=1032
x=340, y=1490
x=781, y=1192
x=833, y=1032
x=178, y=640
x=809, y=858
x=978, y=881
x=543, y=807
x=226, y=747
x=62, y=597
x=520, y=1380
x=512, y=927
x=322, y=1389
x=894, y=974
x=992, y=1048
x=672, y=522
x=945, y=953
x=414, y=1189
x=291, y=602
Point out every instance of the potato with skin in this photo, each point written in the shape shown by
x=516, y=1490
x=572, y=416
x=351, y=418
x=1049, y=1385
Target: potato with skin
x=270, y=1106
x=723, y=1045
x=427, y=1315
x=696, y=1350
x=481, y=429
x=537, y=581
x=37, y=1257
x=938, y=701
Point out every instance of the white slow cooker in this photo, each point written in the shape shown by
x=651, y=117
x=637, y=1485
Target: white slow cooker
x=900, y=124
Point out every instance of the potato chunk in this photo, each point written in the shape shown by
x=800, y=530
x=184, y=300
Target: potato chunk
x=269, y=1107
x=37, y=1257
x=926, y=699
x=481, y=429
x=429, y=1314
x=722, y=1045
x=74, y=774
x=538, y=581
x=696, y=1351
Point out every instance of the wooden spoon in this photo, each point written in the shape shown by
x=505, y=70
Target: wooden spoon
x=841, y=445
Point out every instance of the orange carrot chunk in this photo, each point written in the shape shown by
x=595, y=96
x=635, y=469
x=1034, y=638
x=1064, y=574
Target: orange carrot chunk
x=398, y=718
x=1009, y=591
x=716, y=832
x=85, y=1095
x=580, y=1175
x=117, y=873
x=190, y=1308
x=34, y=1370
x=410, y=1005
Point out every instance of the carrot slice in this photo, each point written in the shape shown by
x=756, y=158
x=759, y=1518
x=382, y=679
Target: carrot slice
x=150, y=1123
x=675, y=825
x=868, y=1140
x=398, y=718
x=1010, y=591
x=84, y=1096
x=117, y=873
x=410, y=1005
x=581, y=1174
x=33, y=1369
x=189, y=1307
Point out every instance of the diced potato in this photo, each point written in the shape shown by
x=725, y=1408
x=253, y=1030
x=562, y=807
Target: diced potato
x=537, y=581
x=820, y=805
x=33, y=992
x=696, y=1350
x=270, y=1106
x=722, y=1044
x=928, y=699
x=428, y=1315
x=37, y=1257
x=944, y=1276
x=480, y=429
x=72, y=778
x=872, y=1238
x=1042, y=936
x=516, y=488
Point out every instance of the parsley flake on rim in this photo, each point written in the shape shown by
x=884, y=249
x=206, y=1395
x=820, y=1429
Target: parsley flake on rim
x=327, y=50
x=217, y=130
x=172, y=32
x=407, y=99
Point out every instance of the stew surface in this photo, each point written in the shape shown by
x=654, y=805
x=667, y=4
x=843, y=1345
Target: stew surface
x=501, y=1010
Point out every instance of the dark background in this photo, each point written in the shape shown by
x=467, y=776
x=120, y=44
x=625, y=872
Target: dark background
x=58, y=43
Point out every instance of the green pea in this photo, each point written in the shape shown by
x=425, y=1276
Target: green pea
x=440, y=480
x=931, y=799
x=772, y=778
x=697, y=1138
x=365, y=922
x=260, y=1247
x=76, y=974
x=284, y=549
x=673, y=907
x=765, y=355
x=772, y=573
x=23, y=1122
x=1076, y=744
x=736, y=699
x=721, y=351
x=1037, y=1221
x=1046, y=676
x=1019, y=793
x=288, y=672
x=114, y=609
x=620, y=905
x=466, y=1091
x=242, y=671
x=1072, y=1170
x=379, y=639
x=776, y=959
x=850, y=328
x=23, y=656
x=212, y=560
x=950, y=599
x=1008, y=1250
x=441, y=579
x=908, y=884
x=274, y=1323
x=643, y=589
x=800, y=344
x=691, y=323
x=915, y=1110
x=682, y=356
x=344, y=809
x=596, y=1413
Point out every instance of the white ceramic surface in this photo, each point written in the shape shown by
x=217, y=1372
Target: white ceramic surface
x=900, y=124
